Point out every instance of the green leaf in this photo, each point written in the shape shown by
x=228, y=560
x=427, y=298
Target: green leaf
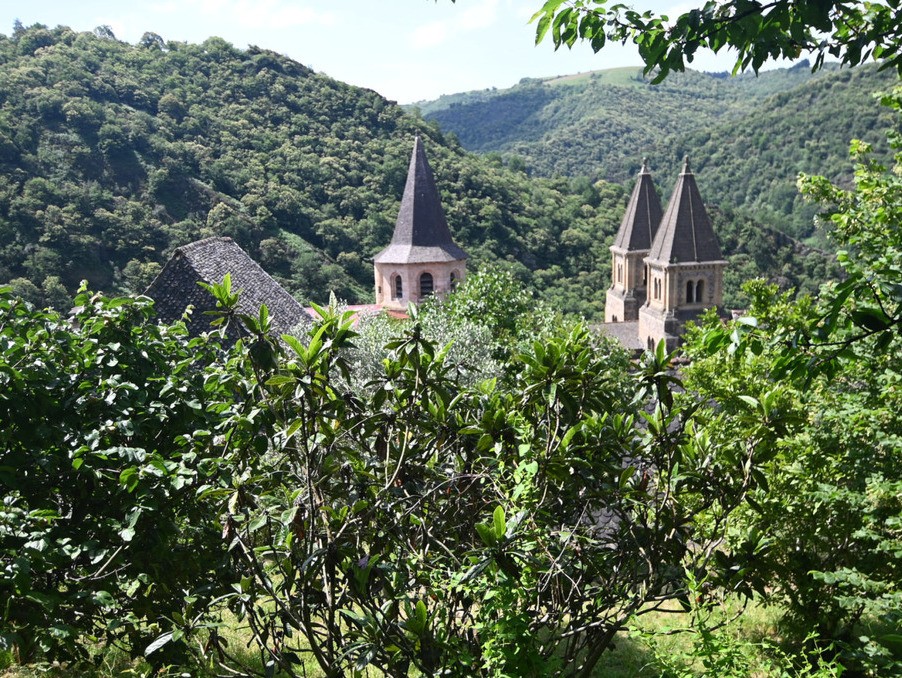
x=486, y=534
x=871, y=319
x=625, y=476
x=128, y=478
x=893, y=643
x=421, y=615
x=750, y=401
x=158, y=642
x=499, y=522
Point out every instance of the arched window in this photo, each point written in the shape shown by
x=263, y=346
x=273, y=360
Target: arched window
x=699, y=290
x=614, y=319
x=657, y=288
x=426, y=286
x=651, y=344
x=452, y=283
x=644, y=276
x=399, y=287
x=689, y=292
x=619, y=273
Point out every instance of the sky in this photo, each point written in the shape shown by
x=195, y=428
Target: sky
x=407, y=50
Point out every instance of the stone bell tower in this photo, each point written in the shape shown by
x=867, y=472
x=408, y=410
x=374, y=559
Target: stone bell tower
x=422, y=258
x=684, y=266
x=631, y=245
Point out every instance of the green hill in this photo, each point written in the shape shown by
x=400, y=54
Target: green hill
x=749, y=136
x=112, y=155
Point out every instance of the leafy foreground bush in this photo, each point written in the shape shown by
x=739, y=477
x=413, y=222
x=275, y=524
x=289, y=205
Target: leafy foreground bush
x=105, y=531
x=151, y=481
x=420, y=523
x=822, y=534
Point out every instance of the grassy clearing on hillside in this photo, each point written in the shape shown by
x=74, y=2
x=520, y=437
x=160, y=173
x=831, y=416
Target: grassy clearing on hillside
x=626, y=76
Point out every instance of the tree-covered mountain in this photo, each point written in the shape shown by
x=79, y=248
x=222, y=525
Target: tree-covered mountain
x=112, y=155
x=749, y=136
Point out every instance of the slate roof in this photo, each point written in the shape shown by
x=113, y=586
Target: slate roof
x=627, y=333
x=175, y=288
x=421, y=231
x=643, y=215
x=685, y=234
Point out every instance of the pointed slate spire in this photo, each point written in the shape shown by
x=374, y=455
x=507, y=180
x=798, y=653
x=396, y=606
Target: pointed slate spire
x=421, y=231
x=685, y=233
x=643, y=214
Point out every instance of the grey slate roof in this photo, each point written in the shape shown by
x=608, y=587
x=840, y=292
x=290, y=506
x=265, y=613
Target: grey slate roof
x=685, y=234
x=643, y=215
x=208, y=261
x=421, y=231
x=627, y=333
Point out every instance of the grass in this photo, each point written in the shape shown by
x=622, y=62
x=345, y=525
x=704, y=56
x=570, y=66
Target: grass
x=625, y=76
x=654, y=641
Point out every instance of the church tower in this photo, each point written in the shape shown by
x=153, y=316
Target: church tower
x=631, y=245
x=684, y=266
x=422, y=258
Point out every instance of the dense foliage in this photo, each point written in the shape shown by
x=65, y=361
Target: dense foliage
x=748, y=136
x=853, y=32
x=403, y=514
x=112, y=155
x=418, y=521
x=423, y=519
x=104, y=532
x=825, y=531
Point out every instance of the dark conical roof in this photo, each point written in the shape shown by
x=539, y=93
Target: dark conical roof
x=685, y=233
x=421, y=232
x=643, y=214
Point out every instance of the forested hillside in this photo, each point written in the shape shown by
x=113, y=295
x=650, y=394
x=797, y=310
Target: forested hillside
x=749, y=136
x=112, y=155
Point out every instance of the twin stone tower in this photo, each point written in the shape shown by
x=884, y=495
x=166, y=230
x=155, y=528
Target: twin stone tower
x=667, y=268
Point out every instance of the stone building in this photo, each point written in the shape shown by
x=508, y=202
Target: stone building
x=682, y=268
x=422, y=258
x=631, y=245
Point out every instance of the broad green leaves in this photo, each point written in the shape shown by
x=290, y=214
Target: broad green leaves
x=102, y=533
x=817, y=383
x=850, y=32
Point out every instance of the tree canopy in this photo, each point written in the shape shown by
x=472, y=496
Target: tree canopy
x=852, y=32
x=112, y=155
x=156, y=487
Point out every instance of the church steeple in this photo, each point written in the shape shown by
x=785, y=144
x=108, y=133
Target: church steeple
x=685, y=234
x=643, y=214
x=421, y=231
x=685, y=266
x=631, y=245
x=422, y=258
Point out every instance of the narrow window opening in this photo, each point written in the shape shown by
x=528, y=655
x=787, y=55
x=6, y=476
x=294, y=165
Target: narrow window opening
x=690, y=292
x=452, y=283
x=399, y=287
x=699, y=290
x=426, y=285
